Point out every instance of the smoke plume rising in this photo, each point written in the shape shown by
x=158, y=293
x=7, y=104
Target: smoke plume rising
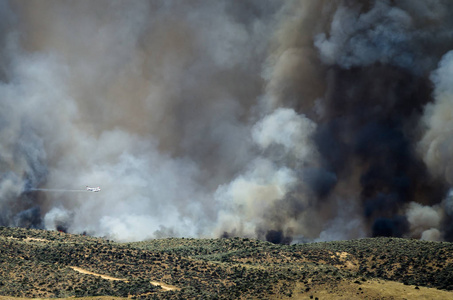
x=280, y=120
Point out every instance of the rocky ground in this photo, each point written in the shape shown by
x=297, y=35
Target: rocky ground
x=49, y=264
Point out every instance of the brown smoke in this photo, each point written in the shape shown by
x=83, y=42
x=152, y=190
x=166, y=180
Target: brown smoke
x=286, y=121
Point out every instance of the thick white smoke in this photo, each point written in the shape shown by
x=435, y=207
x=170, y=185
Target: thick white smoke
x=437, y=143
x=148, y=100
x=424, y=221
x=268, y=179
x=266, y=119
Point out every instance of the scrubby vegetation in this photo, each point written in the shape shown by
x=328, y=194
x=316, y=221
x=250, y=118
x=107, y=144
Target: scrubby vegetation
x=37, y=263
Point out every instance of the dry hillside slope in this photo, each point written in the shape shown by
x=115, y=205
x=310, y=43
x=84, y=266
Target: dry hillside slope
x=45, y=264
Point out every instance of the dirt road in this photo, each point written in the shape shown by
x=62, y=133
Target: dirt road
x=164, y=286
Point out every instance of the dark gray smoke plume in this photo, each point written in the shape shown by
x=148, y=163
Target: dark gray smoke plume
x=280, y=120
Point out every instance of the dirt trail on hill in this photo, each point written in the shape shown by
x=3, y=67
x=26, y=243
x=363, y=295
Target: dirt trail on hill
x=83, y=271
x=164, y=286
x=30, y=239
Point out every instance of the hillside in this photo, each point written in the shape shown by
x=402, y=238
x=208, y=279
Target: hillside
x=45, y=264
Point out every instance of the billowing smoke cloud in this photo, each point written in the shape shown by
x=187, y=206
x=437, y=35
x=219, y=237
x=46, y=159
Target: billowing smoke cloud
x=437, y=139
x=261, y=196
x=150, y=100
x=286, y=121
x=437, y=143
x=423, y=220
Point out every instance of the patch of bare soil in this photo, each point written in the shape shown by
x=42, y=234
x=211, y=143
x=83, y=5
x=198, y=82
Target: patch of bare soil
x=371, y=289
x=346, y=260
x=83, y=271
x=164, y=286
x=30, y=239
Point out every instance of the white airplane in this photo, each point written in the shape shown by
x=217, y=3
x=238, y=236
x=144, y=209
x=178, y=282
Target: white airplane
x=93, y=189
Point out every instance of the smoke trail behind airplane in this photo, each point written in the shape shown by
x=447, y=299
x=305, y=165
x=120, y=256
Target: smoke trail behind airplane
x=57, y=190
x=285, y=121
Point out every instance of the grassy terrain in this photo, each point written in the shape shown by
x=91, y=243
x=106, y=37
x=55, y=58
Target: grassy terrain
x=38, y=263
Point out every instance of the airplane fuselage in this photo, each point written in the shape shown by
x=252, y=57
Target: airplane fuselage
x=93, y=189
